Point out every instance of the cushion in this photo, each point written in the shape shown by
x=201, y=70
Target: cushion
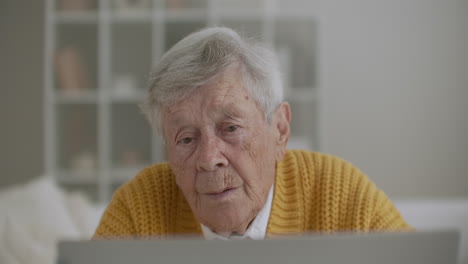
x=34, y=216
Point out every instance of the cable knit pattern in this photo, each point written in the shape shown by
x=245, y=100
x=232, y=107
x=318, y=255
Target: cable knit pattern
x=313, y=193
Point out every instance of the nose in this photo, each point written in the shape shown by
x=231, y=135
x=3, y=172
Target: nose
x=210, y=155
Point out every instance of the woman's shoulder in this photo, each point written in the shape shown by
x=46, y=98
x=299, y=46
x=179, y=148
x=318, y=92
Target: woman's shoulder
x=316, y=166
x=311, y=158
x=148, y=183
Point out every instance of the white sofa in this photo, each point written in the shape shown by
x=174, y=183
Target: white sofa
x=430, y=214
x=34, y=216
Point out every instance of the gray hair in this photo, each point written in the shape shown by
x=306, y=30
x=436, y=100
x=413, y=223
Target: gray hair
x=201, y=56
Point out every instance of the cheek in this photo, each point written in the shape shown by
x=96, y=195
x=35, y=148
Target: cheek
x=180, y=168
x=257, y=152
x=257, y=144
x=185, y=180
x=178, y=154
x=177, y=157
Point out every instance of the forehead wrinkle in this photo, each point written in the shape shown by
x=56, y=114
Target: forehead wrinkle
x=193, y=112
x=213, y=101
x=231, y=108
x=217, y=98
x=229, y=104
x=234, y=112
x=227, y=93
x=176, y=118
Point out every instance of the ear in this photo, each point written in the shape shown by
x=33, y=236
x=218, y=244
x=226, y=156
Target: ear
x=282, y=123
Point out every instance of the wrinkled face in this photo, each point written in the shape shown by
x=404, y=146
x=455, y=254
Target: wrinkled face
x=223, y=152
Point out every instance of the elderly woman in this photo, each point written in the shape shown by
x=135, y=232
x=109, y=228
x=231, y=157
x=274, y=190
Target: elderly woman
x=218, y=102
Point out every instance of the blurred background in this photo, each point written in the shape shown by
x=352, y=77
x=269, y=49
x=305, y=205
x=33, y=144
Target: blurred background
x=383, y=84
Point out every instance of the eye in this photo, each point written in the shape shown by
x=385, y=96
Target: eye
x=186, y=140
x=231, y=128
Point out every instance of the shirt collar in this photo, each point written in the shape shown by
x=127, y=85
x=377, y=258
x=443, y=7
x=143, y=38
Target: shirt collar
x=256, y=230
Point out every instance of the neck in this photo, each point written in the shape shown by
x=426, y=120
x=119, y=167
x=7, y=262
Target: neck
x=237, y=231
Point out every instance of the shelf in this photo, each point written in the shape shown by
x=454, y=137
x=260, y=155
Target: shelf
x=90, y=96
x=75, y=56
x=136, y=97
x=238, y=6
x=84, y=96
x=181, y=5
x=77, y=176
x=185, y=15
x=98, y=61
x=77, y=17
x=131, y=138
x=295, y=8
x=293, y=14
x=251, y=27
x=130, y=55
x=134, y=16
x=176, y=30
x=240, y=14
x=304, y=121
x=76, y=141
x=123, y=174
x=296, y=43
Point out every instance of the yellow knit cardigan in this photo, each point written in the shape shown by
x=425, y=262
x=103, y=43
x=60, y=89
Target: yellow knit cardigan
x=313, y=192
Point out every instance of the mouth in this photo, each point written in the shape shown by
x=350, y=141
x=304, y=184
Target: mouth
x=221, y=194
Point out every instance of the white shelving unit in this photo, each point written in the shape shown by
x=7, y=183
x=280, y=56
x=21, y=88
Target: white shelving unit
x=97, y=60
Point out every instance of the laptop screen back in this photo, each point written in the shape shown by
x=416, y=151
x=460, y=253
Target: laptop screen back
x=435, y=247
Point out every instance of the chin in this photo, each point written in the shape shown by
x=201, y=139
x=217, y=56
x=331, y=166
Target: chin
x=225, y=220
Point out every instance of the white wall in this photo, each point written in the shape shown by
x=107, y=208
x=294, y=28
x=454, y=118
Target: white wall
x=394, y=82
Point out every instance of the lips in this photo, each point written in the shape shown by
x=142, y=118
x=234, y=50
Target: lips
x=219, y=192
x=222, y=193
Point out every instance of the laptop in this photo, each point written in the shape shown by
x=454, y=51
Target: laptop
x=422, y=247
